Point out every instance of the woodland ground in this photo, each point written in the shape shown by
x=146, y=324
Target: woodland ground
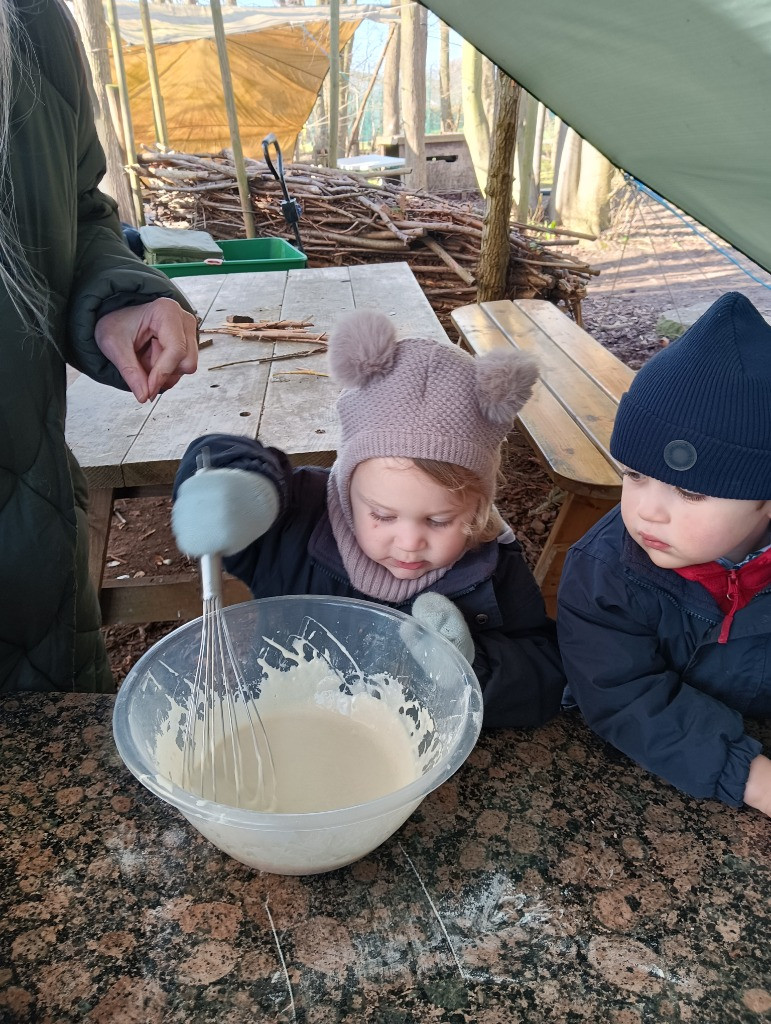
x=649, y=262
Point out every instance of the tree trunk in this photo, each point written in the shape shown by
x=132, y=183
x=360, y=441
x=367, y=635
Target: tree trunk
x=592, y=207
x=476, y=127
x=584, y=187
x=345, y=94
x=560, y=135
x=392, y=122
x=524, y=200
x=495, y=246
x=540, y=124
x=93, y=29
x=445, y=103
x=353, y=139
x=412, y=75
x=566, y=186
x=333, y=105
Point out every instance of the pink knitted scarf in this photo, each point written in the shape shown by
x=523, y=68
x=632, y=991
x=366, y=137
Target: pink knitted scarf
x=366, y=576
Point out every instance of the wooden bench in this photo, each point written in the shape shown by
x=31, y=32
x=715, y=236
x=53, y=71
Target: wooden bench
x=569, y=418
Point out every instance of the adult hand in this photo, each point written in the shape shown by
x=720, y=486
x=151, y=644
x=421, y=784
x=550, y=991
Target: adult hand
x=757, y=792
x=151, y=345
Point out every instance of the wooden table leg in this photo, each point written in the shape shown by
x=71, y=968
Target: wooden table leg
x=99, y=515
x=577, y=515
x=161, y=599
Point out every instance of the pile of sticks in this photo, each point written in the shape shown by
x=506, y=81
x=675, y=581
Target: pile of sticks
x=247, y=329
x=347, y=219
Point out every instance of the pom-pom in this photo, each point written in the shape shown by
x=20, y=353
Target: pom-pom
x=362, y=348
x=504, y=382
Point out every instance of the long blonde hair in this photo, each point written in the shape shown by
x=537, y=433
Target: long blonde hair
x=24, y=286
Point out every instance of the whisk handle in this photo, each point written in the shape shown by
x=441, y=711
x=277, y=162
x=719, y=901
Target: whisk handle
x=211, y=576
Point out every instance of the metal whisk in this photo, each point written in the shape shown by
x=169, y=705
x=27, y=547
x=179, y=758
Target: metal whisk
x=226, y=754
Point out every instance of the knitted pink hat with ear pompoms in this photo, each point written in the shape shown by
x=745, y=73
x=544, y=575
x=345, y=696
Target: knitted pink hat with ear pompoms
x=420, y=399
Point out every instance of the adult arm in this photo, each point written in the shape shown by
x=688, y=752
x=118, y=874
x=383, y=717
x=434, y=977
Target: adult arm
x=108, y=337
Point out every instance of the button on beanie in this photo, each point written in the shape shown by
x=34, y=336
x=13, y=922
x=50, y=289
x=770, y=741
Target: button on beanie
x=421, y=399
x=698, y=414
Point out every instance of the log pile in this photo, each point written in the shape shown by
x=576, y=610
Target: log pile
x=347, y=219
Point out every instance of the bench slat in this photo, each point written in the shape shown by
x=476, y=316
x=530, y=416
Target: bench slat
x=597, y=362
x=573, y=460
x=591, y=407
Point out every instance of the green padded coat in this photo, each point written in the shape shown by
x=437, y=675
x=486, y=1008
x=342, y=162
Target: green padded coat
x=49, y=614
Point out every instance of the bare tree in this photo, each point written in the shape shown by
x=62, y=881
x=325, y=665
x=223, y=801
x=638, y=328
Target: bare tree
x=584, y=187
x=344, y=122
x=412, y=92
x=445, y=103
x=496, y=247
x=353, y=139
x=558, y=148
x=89, y=15
x=525, y=187
x=476, y=126
x=392, y=121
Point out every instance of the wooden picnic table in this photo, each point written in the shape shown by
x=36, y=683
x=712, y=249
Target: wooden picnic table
x=132, y=450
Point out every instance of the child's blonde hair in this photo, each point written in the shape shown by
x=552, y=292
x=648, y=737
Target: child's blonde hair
x=486, y=523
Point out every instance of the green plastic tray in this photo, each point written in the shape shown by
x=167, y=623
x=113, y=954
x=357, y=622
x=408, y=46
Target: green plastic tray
x=242, y=255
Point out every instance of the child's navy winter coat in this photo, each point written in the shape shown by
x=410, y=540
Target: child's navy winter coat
x=642, y=659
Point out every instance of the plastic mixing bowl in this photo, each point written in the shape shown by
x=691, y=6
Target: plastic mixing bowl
x=365, y=649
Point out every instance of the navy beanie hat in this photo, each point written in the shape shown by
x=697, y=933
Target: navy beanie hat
x=698, y=414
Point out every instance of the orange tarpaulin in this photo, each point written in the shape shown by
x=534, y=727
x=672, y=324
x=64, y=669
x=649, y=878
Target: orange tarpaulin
x=278, y=60
x=276, y=74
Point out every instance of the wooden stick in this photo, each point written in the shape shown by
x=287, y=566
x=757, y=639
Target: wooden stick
x=445, y=257
x=380, y=210
x=301, y=370
x=270, y=359
x=274, y=335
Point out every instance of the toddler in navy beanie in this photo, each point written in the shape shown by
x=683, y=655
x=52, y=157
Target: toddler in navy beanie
x=664, y=608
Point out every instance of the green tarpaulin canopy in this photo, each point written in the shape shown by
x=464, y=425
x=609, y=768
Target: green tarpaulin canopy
x=676, y=92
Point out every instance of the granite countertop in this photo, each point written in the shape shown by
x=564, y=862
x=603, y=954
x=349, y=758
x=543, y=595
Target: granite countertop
x=548, y=880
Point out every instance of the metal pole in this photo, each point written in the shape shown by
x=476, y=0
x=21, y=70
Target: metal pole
x=125, y=111
x=334, y=79
x=159, y=114
x=230, y=107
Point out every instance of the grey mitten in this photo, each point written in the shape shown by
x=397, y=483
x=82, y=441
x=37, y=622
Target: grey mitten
x=438, y=612
x=221, y=511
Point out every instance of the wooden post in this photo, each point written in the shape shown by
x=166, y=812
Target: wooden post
x=230, y=107
x=159, y=114
x=496, y=245
x=334, y=80
x=128, y=128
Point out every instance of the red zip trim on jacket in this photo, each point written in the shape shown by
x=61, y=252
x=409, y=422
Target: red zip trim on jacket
x=733, y=593
x=734, y=588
